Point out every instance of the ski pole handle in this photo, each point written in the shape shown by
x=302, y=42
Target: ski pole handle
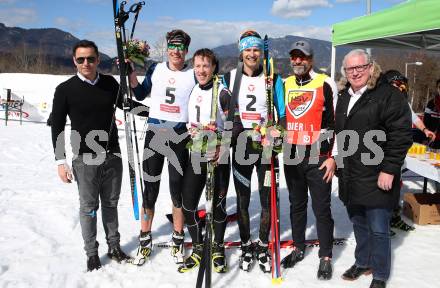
x=136, y=7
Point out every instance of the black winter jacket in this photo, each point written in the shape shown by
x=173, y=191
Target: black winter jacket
x=382, y=108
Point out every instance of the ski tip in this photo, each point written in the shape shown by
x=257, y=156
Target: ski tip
x=277, y=281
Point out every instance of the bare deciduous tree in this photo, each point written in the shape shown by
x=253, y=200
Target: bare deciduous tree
x=159, y=51
x=23, y=58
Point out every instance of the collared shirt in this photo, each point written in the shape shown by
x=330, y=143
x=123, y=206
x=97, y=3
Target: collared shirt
x=355, y=97
x=80, y=76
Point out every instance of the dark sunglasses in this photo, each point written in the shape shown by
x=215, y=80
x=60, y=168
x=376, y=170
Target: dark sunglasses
x=179, y=47
x=90, y=60
x=249, y=33
x=301, y=57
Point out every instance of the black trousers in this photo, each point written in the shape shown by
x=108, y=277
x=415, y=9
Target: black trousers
x=193, y=184
x=242, y=181
x=161, y=143
x=300, y=178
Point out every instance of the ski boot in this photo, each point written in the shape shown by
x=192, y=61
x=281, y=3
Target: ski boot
x=263, y=256
x=193, y=260
x=218, y=258
x=247, y=256
x=145, y=248
x=177, y=247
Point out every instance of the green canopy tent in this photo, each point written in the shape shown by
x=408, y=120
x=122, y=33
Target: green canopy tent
x=414, y=24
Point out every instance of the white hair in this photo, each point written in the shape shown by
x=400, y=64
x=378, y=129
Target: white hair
x=355, y=52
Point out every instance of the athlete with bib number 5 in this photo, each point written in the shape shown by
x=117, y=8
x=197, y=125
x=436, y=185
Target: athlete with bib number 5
x=169, y=85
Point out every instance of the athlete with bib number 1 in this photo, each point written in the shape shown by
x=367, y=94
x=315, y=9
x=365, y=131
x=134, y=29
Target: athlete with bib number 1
x=207, y=111
x=168, y=85
x=252, y=108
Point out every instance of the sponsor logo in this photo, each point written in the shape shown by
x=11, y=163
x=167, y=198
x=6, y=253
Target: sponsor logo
x=172, y=81
x=16, y=114
x=306, y=139
x=251, y=88
x=169, y=108
x=250, y=116
x=299, y=102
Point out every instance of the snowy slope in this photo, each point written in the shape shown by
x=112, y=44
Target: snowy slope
x=41, y=245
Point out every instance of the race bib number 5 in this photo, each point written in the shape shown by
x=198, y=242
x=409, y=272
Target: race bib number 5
x=169, y=100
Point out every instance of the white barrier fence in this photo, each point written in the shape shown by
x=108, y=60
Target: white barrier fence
x=37, y=91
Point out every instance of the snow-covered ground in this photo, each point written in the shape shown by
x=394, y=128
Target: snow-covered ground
x=40, y=238
x=41, y=244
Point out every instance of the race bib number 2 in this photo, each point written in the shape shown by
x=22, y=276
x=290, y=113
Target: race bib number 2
x=250, y=113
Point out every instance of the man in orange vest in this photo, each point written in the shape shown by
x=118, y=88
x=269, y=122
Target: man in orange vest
x=309, y=99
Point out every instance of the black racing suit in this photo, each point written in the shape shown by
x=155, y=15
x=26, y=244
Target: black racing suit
x=162, y=139
x=242, y=171
x=194, y=181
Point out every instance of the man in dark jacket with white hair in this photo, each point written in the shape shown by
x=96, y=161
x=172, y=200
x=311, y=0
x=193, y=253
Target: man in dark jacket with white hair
x=369, y=171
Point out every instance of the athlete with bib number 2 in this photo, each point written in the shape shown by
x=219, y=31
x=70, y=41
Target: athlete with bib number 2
x=252, y=108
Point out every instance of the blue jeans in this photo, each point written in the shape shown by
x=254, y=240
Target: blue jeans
x=371, y=228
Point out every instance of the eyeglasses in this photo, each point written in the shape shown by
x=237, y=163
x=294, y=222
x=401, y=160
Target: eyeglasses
x=90, y=60
x=359, y=68
x=179, y=47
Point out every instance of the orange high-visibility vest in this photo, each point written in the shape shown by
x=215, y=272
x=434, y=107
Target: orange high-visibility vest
x=304, y=106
